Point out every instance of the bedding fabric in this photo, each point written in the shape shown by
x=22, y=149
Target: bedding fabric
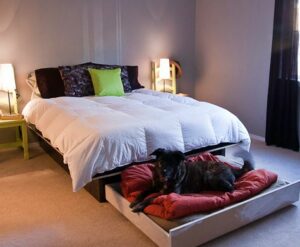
x=98, y=134
x=139, y=177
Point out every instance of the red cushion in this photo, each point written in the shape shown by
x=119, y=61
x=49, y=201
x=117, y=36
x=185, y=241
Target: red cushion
x=139, y=177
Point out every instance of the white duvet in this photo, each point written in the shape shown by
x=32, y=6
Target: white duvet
x=98, y=134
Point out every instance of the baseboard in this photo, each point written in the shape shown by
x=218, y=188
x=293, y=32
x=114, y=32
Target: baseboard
x=257, y=138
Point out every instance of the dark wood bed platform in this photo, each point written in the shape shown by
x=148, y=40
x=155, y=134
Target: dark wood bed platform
x=97, y=186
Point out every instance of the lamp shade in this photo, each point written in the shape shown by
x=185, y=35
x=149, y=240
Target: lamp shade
x=7, y=77
x=164, y=68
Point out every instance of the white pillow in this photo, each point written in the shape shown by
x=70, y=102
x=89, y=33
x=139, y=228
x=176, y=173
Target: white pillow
x=31, y=82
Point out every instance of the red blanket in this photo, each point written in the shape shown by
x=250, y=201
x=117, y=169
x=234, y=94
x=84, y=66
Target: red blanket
x=171, y=206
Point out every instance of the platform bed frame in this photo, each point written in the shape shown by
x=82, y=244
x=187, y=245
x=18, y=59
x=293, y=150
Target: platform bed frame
x=97, y=186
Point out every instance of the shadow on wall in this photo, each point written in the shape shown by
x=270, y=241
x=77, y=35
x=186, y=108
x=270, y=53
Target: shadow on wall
x=157, y=13
x=8, y=10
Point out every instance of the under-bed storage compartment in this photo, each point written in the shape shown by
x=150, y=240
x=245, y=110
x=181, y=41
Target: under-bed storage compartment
x=197, y=229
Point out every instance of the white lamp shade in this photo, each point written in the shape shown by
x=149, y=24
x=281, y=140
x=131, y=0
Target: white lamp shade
x=7, y=77
x=164, y=68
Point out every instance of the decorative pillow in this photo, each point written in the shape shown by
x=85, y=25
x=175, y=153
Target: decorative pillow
x=107, y=82
x=133, y=72
x=77, y=80
x=31, y=82
x=49, y=82
x=124, y=74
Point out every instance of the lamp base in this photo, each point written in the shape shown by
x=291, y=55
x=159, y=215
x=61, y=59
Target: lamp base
x=11, y=116
x=8, y=96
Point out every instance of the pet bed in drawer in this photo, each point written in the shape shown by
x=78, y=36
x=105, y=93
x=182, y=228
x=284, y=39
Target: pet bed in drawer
x=197, y=229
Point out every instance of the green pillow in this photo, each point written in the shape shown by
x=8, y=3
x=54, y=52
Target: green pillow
x=107, y=82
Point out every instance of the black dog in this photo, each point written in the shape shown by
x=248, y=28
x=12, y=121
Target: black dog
x=173, y=174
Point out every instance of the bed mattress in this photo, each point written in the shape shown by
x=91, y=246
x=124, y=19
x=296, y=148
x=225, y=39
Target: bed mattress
x=98, y=134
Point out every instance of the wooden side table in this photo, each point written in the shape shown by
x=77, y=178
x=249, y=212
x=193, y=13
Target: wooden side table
x=19, y=124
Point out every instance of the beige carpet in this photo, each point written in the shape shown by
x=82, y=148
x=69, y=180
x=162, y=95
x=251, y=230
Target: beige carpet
x=38, y=208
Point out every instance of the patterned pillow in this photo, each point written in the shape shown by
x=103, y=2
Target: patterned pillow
x=77, y=80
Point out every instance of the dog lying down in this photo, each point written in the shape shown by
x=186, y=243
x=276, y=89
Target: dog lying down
x=172, y=173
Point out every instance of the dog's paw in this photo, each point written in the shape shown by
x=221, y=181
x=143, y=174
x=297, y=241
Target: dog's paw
x=138, y=208
x=132, y=204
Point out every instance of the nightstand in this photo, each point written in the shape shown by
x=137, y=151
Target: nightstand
x=20, y=125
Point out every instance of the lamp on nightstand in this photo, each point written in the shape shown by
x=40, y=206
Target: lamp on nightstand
x=8, y=84
x=164, y=71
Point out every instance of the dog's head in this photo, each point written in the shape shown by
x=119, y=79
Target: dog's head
x=168, y=165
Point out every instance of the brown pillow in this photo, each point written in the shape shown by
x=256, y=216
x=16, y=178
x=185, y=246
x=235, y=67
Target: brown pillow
x=133, y=73
x=49, y=82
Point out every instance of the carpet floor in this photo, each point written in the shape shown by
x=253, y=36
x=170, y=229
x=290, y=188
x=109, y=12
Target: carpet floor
x=38, y=207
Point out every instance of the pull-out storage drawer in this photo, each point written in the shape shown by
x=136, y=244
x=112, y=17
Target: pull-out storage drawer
x=200, y=228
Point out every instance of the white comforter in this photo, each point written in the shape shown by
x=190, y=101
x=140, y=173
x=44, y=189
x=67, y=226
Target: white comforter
x=97, y=134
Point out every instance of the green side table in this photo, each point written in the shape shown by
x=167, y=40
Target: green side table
x=19, y=124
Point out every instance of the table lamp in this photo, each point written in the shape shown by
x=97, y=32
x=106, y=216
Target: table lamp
x=7, y=81
x=164, y=70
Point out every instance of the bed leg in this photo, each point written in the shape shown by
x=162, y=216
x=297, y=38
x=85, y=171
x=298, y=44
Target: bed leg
x=101, y=185
x=97, y=189
x=100, y=191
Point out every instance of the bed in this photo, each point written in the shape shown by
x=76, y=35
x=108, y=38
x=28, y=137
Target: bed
x=96, y=136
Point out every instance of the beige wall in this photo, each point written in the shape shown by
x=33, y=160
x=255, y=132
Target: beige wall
x=229, y=39
x=42, y=33
x=233, y=50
